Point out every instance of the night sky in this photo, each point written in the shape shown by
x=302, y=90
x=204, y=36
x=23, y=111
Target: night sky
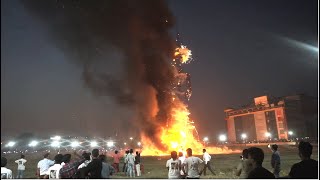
x=241, y=49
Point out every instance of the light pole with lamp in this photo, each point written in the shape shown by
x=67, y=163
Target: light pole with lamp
x=205, y=140
x=244, y=137
x=290, y=133
x=222, y=138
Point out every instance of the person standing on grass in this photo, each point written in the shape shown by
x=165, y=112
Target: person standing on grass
x=307, y=168
x=256, y=155
x=191, y=165
x=125, y=168
x=174, y=166
x=137, y=163
x=43, y=166
x=21, y=166
x=182, y=158
x=245, y=165
x=130, y=163
x=206, y=159
x=55, y=169
x=275, y=160
x=107, y=169
x=93, y=170
x=116, y=160
x=5, y=172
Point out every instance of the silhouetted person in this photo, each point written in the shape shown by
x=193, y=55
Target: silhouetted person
x=307, y=168
x=275, y=160
x=93, y=169
x=245, y=166
x=137, y=163
x=257, y=156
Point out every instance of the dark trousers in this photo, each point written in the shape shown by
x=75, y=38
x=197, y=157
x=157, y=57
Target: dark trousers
x=124, y=169
x=208, y=165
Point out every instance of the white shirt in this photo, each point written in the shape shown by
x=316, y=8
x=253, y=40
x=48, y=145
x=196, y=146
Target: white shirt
x=20, y=163
x=84, y=164
x=206, y=157
x=131, y=159
x=54, y=171
x=174, y=166
x=192, y=164
x=182, y=158
x=6, y=173
x=44, y=165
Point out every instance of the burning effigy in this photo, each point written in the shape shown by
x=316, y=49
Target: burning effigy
x=152, y=83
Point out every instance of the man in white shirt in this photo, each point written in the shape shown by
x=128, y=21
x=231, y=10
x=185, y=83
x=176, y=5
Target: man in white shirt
x=182, y=158
x=206, y=159
x=55, y=169
x=130, y=162
x=21, y=166
x=192, y=165
x=43, y=167
x=5, y=172
x=174, y=166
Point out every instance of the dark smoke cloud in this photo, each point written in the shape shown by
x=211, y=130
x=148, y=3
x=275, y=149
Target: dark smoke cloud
x=84, y=29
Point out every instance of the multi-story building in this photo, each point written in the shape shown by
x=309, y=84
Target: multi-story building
x=273, y=118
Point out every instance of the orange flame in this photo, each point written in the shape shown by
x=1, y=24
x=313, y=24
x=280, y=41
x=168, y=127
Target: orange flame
x=179, y=133
x=179, y=136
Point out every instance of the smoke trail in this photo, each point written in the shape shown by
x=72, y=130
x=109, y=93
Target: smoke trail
x=139, y=29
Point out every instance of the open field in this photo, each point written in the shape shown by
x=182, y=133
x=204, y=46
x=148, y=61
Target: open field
x=154, y=167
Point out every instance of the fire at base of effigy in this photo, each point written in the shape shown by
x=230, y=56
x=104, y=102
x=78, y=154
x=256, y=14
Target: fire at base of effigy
x=180, y=132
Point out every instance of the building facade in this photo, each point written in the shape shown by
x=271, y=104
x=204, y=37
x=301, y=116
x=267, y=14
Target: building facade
x=272, y=118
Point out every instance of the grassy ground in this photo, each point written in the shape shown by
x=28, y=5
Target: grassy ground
x=154, y=167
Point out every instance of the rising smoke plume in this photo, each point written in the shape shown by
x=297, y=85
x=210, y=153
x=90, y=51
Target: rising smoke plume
x=139, y=29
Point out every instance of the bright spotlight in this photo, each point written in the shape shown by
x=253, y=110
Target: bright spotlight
x=10, y=144
x=55, y=144
x=267, y=134
x=75, y=144
x=205, y=139
x=56, y=138
x=290, y=133
x=131, y=138
x=222, y=137
x=93, y=144
x=33, y=143
x=244, y=136
x=110, y=143
x=139, y=143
